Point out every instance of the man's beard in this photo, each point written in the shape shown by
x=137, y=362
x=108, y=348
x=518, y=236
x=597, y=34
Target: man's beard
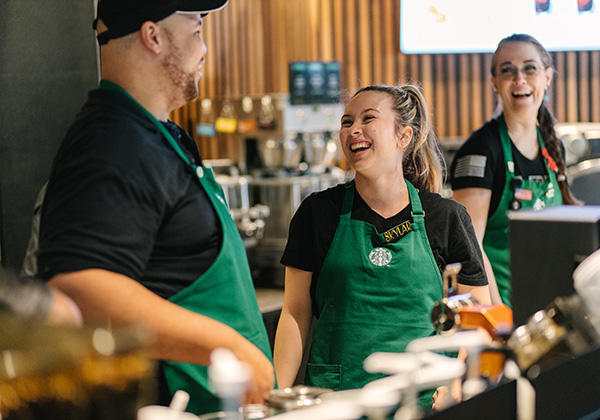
x=182, y=81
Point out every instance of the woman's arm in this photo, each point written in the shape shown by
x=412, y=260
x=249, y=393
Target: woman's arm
x=294, y=326
x=477, y=203
x=481, y=293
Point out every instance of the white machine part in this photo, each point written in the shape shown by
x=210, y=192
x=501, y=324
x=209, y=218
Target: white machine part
x=175, y=410
x=410, y=373
x=229, y=378
x=473, y=341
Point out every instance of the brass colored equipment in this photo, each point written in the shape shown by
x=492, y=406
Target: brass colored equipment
x=65, y=373
x=561, y=331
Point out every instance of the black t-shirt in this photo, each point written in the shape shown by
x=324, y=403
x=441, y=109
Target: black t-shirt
x=120, y=198
x=479, y=163
x=447, y=224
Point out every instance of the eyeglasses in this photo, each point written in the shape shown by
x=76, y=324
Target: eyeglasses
x=528, y=70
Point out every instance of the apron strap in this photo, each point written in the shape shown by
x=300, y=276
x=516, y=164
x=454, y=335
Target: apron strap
x=105, y=84
x=507, y=147
x=417, y=208
x=348, y=200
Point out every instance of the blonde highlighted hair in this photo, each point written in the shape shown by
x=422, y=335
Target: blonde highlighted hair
x=422, y=163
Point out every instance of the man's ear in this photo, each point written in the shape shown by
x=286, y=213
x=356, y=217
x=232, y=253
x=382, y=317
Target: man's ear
x=150, y=33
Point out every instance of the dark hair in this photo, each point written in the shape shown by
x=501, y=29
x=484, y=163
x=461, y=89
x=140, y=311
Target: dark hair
x=545, y=117
x=422, y=161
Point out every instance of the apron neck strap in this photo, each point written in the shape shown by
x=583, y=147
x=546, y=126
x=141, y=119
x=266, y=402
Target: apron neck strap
x=413, y=194
x=507, y=148
x=348, y=200
x=505, y=142
x=415, y=202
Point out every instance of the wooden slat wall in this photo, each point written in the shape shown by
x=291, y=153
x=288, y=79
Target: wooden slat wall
x=251, y=42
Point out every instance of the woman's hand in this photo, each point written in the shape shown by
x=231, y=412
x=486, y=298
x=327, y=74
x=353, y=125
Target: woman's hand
x=445, y=396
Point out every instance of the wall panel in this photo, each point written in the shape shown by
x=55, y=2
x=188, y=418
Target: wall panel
x=250, y=44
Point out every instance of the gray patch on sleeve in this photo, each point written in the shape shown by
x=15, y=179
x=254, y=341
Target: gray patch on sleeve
x=470, y=165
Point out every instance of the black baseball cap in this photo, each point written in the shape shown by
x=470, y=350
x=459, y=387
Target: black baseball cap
x=123, y=17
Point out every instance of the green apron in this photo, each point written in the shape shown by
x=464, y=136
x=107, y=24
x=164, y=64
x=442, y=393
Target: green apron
x=531, y=194
x=225, y=292
x=373, y=296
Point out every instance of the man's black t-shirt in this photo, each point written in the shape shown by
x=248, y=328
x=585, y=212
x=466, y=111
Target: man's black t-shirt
x=120, y=199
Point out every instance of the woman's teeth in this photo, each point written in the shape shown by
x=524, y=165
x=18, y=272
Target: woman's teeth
x=356, y=147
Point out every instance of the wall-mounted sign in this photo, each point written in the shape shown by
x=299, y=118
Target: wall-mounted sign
x=465, y=26
x=314, y=82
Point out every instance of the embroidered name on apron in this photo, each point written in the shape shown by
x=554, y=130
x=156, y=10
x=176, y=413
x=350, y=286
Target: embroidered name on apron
x=397, y=232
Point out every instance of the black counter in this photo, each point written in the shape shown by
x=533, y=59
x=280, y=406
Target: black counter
x=567, y=391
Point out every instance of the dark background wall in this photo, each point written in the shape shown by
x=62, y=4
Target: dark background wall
x=47, y=65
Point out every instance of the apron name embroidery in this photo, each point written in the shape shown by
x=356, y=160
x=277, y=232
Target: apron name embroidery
x=398, y=231
x=380, y=257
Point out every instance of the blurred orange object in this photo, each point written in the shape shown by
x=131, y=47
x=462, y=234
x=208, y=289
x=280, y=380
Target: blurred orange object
x=497, y=320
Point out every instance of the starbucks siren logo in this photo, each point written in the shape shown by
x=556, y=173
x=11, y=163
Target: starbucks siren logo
x=380, y=257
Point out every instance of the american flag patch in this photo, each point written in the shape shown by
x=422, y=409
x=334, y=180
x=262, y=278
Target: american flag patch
x=470, y=165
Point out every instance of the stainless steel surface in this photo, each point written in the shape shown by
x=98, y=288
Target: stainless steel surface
x=283, y=195
x=280, y=152
x=299, y=396
x=321, y=150
x=279, y=401
x=247, y=412
x=581, y=141
x=250, y=219
x=582, y=156
x=584, y=181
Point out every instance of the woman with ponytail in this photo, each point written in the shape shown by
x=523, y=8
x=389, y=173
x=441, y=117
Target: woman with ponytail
x=513, y=161
x=365, y=258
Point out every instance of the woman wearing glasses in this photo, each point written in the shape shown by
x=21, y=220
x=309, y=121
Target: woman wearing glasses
x=513, y=161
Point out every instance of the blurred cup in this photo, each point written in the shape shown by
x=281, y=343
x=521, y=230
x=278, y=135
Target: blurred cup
x=158, y=412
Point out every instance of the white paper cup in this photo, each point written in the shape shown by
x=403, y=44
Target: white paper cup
x=158, y=412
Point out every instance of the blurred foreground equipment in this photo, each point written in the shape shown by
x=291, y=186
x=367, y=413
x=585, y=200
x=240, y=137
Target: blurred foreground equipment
x=50, y=372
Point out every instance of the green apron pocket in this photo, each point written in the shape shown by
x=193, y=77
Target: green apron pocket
x=324, y=376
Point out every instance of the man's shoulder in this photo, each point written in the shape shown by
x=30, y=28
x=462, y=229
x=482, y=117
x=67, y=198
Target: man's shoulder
x=113, y=137
x=112, y=111
x=109, y=124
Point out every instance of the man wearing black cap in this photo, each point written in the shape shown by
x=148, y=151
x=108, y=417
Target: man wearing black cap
x=134, y=228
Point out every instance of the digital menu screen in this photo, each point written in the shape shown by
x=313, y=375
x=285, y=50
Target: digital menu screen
x=314, y=82
x=463, y=26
